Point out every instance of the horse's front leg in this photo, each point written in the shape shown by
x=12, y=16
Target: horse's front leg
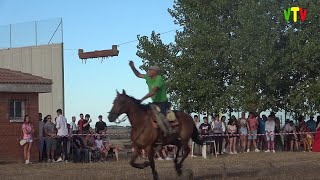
x=150, y=153
x=134, y=156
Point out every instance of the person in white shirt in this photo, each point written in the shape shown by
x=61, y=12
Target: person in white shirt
x=270, y=127
x=218, y=128
x=74, y=127
x=100, y=147
x=62, y=133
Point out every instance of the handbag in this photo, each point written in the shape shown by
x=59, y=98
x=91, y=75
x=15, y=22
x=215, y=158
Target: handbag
x=22, y=142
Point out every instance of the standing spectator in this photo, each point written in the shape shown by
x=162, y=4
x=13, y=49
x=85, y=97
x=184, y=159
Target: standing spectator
x=205, y=128
x=41, y=135
x=225, y=140
x=285, y=130
x=27, y=130
x=50, y=134
x=316, y=142
x=243, y=131
x=61, y=125
x=277, y=139
x=262, y=130
x=101, y=125
x=74, y=127
x=45, y=120
x=318, y=121
x=293, y=138
x=270, y=129
x=80, y=123
x=86, y=124
x=232, y=130
x=312, y=124
x=304, y=130
x=192, y=145
x=252, y=126
x=218, y=128
x=69, y=143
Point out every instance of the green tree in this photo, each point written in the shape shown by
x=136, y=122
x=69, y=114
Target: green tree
x=234, y=54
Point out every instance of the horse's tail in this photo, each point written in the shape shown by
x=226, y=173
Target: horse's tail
x=195, y=136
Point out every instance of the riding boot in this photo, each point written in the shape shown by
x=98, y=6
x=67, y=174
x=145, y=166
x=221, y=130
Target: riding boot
x=159, y=120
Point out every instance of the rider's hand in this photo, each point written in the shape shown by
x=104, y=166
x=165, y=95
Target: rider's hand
x=131, y=63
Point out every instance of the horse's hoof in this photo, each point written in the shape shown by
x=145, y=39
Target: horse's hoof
x=155, y=176
x=179, y=172
x=178, y=169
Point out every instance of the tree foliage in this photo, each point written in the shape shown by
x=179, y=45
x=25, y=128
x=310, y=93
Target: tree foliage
x=234, y=54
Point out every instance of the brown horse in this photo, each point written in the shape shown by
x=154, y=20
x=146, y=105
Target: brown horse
x=144, y=135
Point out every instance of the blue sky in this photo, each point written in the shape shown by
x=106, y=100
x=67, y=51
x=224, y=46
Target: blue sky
x=94, y=25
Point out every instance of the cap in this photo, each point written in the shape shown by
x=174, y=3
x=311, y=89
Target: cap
x=154, y=68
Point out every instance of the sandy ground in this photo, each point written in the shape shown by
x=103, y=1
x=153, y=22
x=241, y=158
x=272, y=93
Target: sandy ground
x=281, y=165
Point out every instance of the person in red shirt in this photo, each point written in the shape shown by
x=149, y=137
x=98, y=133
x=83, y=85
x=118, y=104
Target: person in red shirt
x=80, y=123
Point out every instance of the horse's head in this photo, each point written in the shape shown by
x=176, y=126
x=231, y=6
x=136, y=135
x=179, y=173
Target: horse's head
x=120, y=106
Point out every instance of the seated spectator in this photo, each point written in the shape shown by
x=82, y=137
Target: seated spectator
x=81, y=151
x=101, y=148
x=89, y=142
x=110, y=146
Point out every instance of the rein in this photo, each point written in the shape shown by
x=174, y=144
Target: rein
x=124, y=119
x=121, y=120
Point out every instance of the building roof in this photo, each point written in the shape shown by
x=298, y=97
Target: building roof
x=8, y=76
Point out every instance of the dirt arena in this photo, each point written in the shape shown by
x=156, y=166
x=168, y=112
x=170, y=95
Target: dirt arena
x=281, y=165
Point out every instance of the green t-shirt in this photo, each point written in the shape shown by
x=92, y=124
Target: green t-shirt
x=161, y=95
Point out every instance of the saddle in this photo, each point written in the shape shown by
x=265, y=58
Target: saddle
x=170, y=116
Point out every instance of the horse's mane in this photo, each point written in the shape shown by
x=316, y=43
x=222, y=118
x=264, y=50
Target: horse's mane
x=138, y=103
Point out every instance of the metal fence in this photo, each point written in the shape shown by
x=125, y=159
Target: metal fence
x=31, y=33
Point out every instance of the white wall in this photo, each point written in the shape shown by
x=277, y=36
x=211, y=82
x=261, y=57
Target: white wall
x=45, y=61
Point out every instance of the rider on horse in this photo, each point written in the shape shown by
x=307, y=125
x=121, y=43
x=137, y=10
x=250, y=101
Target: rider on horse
x=158, y=94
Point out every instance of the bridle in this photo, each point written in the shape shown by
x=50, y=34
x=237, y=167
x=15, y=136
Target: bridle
x=118, y=114
x=125, y=118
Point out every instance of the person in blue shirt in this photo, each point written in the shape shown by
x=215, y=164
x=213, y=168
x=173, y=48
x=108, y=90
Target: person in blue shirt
x=262, y=125
x=312, y=124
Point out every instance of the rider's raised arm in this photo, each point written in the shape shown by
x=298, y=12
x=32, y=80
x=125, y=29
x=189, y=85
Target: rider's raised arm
x=136, y=72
